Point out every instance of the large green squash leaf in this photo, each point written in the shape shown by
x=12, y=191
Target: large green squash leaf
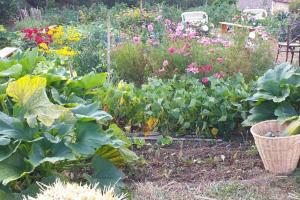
x=14, y=71
x=45, y=151
x=14, y=168
x=70, y=101
x=32, y=101
x=13, y=128
x=89, y=137
x=279, y=74
x=105, y=172
x=7, y=150
x=264, y=111
x=118, y=156
x=285, y=111
x=89, y=81
x=91, y=112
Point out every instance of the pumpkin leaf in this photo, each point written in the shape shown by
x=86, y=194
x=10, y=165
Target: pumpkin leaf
x=14, y=168
x=89, y=81
x=89, y=137
x=91, y=112
x=32, y=101
x=105, y=172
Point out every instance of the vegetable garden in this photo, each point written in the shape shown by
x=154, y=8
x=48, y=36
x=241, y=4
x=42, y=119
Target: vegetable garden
x=125, y=101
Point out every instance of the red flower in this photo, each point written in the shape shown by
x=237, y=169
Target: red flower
x=38, y=39
x=205, y=69
x=219, y=75
x=205, y=80
x=171, y=50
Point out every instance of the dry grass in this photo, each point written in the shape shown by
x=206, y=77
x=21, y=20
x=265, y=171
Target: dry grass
x=263, y=188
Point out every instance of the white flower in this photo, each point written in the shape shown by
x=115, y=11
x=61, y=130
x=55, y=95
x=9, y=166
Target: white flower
x=204, y=28
x=252, y=35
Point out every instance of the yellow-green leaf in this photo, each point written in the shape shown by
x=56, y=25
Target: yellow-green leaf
x=30, y=95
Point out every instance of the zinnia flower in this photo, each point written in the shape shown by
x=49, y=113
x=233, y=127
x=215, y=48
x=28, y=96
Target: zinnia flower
x=205, y=69
x=193, y=68
x=150, y=27
x=220, y=60
x=205, y=80
x=219, y=75
x=165, y=63
x=158, y=18
x=136, y=39
x=171, y=50
x=168, y=22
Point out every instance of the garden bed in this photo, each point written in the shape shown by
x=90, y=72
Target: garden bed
x=202, y=174
x=196, y=162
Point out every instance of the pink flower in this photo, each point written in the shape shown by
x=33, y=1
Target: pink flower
x=180, y=27
x=205, y=69
x=219, y=75
x=220, y=60
x=193, y=68
x=205, y=80
x=159, y=17
x=168, y=22
x=136, y=39
x=212, y=51
x=192, y=34
x=165, y=63
x=171, y=50
x=150, y=27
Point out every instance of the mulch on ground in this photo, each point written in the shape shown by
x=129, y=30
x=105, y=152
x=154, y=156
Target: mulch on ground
x=196, y=162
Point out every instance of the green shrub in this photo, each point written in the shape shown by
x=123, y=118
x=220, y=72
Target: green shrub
x=129, y=62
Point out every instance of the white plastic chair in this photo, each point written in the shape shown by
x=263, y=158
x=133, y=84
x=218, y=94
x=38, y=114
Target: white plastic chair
x=194, y=17
x=257, y=13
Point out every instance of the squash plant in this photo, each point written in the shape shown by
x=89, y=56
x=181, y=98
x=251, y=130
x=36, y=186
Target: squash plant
x=276, y=96
x=49, y=122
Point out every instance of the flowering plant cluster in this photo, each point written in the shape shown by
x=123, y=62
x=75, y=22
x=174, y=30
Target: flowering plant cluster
x=37, y=35
x=55, y=39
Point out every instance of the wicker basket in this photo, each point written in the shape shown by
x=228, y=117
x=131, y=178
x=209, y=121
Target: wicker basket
x=280, y=155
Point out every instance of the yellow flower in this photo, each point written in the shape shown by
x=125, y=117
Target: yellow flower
x=44, y=46
x=150, y=125
x=73, y=35
x=122, y=85
x=214, y=132
x=65, y=51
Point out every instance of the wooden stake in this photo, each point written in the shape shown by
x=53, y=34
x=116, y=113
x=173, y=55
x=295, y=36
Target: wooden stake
x=108, y=46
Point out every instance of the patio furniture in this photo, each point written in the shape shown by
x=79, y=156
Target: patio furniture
x=257, y=14
x=194, y=17
x=7, y=51
x=225, y=26
x=291, y=45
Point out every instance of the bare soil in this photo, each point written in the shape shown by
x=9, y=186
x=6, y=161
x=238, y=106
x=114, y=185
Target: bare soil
x=206, y=170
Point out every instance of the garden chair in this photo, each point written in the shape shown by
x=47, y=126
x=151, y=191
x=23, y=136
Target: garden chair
x=258, y=14
x=292, y=43
x=194, y=17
